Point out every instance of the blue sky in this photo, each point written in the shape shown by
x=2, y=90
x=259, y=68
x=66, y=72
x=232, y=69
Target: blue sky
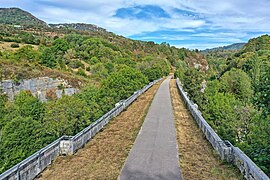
x=182, y=23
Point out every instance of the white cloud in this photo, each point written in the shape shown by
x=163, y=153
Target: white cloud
x=238, y=17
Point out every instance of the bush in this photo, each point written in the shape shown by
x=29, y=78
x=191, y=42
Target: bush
x=66, y=116
x=48, y=58
x=88, y=68
x=238, y=83
x=122, y=83
x=75, y=64
x=81, y=72
x=153, y=73
x=14, y=45
x=27, y=53
x=26, y=105
x=21, y=137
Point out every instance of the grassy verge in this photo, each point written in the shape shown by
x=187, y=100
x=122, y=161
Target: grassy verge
x=104, y=156
x=198, y=160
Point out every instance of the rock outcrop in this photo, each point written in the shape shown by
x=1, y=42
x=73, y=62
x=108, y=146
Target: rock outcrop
x=44, y=88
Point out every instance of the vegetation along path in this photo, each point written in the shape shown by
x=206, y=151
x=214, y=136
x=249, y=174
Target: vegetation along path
x=104, y=156
x=154, y=154
x=198, y=159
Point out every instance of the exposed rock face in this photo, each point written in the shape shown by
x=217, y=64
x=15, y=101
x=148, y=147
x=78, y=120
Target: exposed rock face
x=43, y=88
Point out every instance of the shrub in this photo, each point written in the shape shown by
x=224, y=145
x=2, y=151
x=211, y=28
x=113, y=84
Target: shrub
x=88, y=68
x=66, y=116
x=14, y=45
x=81, y=72
x=122, y=83
x=75, y=64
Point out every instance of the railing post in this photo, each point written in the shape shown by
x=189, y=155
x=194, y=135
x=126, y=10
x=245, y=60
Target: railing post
x=18, y=172
x=66, y=147
x=38, y=165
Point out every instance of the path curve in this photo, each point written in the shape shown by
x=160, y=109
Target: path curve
x=154, y=155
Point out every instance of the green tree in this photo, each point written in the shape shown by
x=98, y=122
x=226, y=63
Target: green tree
x=91, y=95
x=48, y=58
x=258, y=147
x=21, y=137
x=220, y=114
x=25, y=105
x=27, y=53
x=122, y=83
x=98, y=71
x=238, y=83
x=193, y=84
x=66, y=116
x=60, y=46
x=153, y=73
x=3, y=100
x=262, y=92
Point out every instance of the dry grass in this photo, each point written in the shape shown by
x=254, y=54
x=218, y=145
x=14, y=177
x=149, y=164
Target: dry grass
x=7, y=46
x=104, y=156
x=84, y=69
x=197, y=158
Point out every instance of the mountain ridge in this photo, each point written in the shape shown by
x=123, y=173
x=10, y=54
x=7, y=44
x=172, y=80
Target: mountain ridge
x=21, y=18
x=17, y=16
x=79, y=26
x=234, y=46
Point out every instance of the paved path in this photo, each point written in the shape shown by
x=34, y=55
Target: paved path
x=154, y=155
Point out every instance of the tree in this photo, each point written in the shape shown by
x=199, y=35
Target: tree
x=99, y=71
x=238, y=83
x=26, y=105
x=193, y=84
x=220, y=114
x=66, y=116
x=122, y=83
x=48, y=58
x=60, y=46
x=27, y=53
x=91, y=96
x=258, y=147
x=3, y=100
x=262, y=92
x=153, y=73
x=22, y=136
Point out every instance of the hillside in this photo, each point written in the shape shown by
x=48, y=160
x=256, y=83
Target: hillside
x=257, y=44
x=232, y=47
x=78, y=26
x=16, y=16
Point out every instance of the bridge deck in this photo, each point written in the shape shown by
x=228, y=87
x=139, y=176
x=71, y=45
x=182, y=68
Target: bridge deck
x=104, y=156
x=154, y=154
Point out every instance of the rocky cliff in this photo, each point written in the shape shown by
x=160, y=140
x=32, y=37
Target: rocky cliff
x=44, y=88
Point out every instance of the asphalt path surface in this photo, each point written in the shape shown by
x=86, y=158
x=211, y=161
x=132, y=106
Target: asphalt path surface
x=154, y=154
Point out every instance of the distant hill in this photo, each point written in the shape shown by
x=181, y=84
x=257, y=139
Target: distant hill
x=256, y=44
x=16, y=16
x=78, y=26
x=235, y=46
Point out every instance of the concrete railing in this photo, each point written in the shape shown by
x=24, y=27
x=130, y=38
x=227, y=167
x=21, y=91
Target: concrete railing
x=224, y=148
x=32, y=166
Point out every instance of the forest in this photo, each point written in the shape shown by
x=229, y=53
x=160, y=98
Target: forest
x=234, y=96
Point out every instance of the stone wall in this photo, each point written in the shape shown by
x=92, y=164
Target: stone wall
x=43, y=88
